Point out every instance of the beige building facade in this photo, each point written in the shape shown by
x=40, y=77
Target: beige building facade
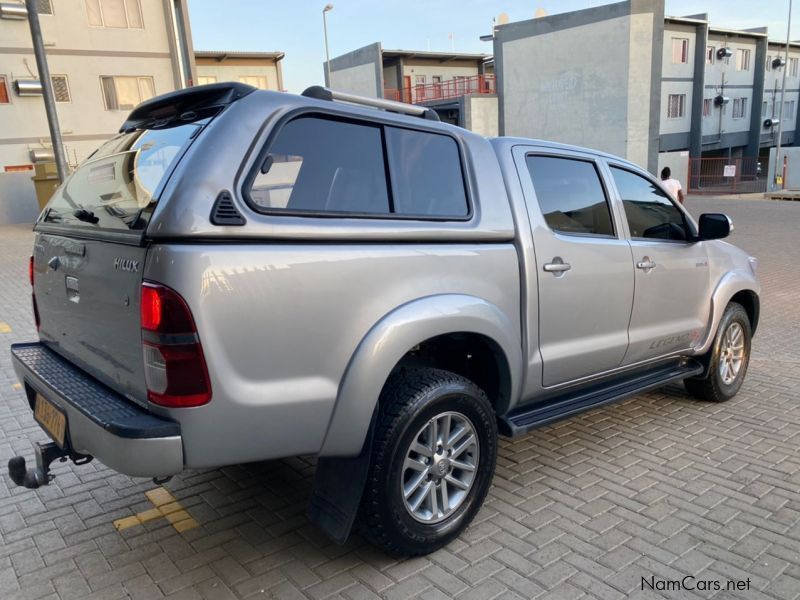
x=105, y=56
x=259, y=69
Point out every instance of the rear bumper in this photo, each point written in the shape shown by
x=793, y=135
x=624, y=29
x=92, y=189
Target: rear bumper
x=100, y=422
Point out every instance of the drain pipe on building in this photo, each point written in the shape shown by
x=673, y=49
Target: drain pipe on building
x=783, y=96
x=47, y=90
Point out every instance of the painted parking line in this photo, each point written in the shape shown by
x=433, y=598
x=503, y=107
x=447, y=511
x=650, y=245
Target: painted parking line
x=166, y=507
x=5, y=327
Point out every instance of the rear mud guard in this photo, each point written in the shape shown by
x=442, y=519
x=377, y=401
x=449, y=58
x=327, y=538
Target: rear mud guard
x=338, y=487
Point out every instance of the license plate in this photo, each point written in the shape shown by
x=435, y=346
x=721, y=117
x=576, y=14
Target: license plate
x=51, y=418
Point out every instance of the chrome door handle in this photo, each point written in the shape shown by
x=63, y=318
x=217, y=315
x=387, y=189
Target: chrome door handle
x=557, y=266
x=646, y=264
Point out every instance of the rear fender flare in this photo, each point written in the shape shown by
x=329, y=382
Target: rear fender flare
x=391, y=338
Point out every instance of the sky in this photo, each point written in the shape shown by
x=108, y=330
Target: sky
x=295, y=26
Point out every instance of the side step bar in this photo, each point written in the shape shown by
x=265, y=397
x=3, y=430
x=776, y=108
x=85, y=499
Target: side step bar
x=524, y=419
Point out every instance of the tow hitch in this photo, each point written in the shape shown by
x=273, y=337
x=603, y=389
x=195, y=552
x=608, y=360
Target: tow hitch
x=45, y=455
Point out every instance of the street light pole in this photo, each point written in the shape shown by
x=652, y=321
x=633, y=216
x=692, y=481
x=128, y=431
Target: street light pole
x=328, y=8
x=783, y=94
x=47, y=90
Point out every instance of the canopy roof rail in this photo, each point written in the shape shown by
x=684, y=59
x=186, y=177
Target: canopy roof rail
x=323, y=93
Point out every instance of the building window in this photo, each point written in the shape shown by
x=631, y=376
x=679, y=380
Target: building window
x=788, y=110
x=680, y=51
x=707, y=104
x=124, y=93
x=44, y=7
x=765, y=110
x=742, y=59
x=257, y=81
x=711, y=55
x=60, y=88
x=206, y=79
x=676, y=106
x=739, y=108
x=793, y=67
x=769, y=63
x=122, y=14
x=4, y=99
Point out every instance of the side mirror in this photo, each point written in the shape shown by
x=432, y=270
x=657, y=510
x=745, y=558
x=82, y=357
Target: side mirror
x=714, y=226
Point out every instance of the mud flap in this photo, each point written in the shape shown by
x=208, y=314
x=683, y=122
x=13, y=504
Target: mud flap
x=338, y=487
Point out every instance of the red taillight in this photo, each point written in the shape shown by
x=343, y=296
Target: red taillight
x=174, y=365
x=33, y=295
x=150, y=308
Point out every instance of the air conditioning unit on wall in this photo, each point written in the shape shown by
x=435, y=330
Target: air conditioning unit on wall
x=724, y=52
x=28, y=87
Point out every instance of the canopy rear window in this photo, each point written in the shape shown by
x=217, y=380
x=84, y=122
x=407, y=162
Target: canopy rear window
x=117, y=187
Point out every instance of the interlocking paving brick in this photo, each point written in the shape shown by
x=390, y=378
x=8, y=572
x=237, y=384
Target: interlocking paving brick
x=656, y=485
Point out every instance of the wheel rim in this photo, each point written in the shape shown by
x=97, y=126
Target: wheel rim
x=439, y=467
x=732, y=353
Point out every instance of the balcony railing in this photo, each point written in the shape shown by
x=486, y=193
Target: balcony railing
x=452, y=88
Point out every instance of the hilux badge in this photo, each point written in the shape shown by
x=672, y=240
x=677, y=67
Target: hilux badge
x=126, y=264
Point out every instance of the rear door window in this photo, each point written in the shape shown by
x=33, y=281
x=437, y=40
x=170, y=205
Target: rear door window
x=117, y=186
x=324, y=166
x=571, y=196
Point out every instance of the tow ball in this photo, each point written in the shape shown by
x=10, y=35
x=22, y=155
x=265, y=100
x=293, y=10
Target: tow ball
x=45, y=455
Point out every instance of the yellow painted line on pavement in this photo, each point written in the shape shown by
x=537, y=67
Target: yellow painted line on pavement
x=16, y=386
x=5, y=327
x=165, y=507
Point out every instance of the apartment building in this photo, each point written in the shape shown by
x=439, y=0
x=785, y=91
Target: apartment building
x=259, y=69
x=459, y=86
x=669, y=89
x=105, y=56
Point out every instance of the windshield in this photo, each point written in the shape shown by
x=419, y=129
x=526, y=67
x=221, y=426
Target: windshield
x=119, y=184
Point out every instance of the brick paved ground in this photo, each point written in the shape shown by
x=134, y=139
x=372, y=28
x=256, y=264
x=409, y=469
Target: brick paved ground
x=658, y=485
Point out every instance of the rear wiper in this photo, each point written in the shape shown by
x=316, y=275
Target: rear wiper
x=85, y=215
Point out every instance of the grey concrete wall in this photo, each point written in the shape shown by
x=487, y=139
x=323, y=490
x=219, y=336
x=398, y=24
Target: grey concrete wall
x=17, y=198
x=678, y=162
x=358, y=72
x=560, y=79
x=480, y=114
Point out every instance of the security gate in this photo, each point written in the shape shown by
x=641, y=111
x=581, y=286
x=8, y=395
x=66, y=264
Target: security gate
x=727, y=176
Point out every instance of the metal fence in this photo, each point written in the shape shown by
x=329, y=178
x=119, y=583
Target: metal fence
x=452, y=88
x=727, y=175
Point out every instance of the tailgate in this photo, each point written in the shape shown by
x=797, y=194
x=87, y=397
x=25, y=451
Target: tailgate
x=87, y=292
x=89, y=254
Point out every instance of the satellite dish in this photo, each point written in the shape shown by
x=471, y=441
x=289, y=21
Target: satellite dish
x=540, y=12
x=502, y=18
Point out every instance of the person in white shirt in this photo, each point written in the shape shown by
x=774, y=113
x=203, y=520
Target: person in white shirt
x=673, y=185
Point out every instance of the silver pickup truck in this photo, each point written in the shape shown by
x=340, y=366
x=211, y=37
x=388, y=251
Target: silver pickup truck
x=244, y=275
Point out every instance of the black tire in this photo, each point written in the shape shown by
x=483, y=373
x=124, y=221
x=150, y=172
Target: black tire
x=713, y=388
x=411, y=398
